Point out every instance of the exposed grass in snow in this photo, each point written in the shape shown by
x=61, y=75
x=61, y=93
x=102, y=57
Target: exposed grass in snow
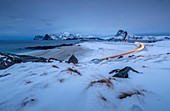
x=71, y=71
x=103, y=98
x=126, y=94
x=105, y=81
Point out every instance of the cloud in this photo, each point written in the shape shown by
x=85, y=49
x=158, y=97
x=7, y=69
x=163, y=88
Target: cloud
x=30, y=17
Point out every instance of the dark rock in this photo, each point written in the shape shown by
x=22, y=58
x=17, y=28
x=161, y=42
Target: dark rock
x=167, y=38
x=41, y=47
x=143, y=66
x=5, y=75
x=8, y=60
x=122, y=73
x=73, y=60
x=47, y=47
x=47, y=37
x=28, y=101
x=151, y=41
x=131, y=56
x=122, y=33
x=27, y=82
x=38, y=37
x=120, y=57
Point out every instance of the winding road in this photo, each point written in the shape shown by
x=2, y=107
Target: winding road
x=141, y=47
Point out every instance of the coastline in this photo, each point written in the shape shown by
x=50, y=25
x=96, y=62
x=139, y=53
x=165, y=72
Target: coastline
x=61, y=53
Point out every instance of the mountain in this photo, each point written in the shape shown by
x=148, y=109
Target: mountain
x=50, y=37
x=38, y=37
x=46, y=37
x=121, y=33
x=66, y=36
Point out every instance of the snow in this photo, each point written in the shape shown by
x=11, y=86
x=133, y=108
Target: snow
x=1, y=56
x=57, y=89
x=66, y=33
x=103, y=49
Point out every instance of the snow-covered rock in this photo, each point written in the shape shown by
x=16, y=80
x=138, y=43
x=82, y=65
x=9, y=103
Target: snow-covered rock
x=67, y=35
x=50, y=37
x=7, y=60
x=78, y=36
x=46, y=37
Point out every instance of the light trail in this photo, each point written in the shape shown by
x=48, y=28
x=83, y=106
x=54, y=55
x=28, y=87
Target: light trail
x=141, y=47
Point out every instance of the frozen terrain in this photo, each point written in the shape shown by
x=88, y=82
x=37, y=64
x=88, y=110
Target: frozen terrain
x=54, y=87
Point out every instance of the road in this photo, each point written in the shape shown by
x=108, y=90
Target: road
x=141, y=47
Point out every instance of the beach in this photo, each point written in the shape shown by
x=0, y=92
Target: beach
x=83, y=51
x=62, y=53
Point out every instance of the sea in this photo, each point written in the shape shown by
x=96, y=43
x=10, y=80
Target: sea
x=18, y=46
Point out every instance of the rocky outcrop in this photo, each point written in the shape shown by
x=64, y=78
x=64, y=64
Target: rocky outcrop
x=122, y=33
x=38, y=37
x=47, y=47
x=73, y=60
x=47, y=37
x=167, y=38
x=122, y=73
x=7, y=60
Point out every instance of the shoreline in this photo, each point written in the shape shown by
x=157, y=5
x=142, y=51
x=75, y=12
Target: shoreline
x=60, y=53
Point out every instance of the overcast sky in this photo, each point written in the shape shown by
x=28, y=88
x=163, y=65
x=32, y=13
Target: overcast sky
x=32, y=17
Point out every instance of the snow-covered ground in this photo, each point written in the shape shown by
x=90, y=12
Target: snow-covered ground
x=53, y=87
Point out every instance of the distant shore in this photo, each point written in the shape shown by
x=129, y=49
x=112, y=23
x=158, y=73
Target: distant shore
x=61, y=53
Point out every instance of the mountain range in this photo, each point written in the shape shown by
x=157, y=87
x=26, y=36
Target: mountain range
x=65, y=36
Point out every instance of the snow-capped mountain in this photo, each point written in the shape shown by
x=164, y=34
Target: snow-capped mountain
x=46, y=37
x=50, y=37
x=68, y=36
x=38, y=37
x=121, y=33
x=65, y=36
x=124, y=35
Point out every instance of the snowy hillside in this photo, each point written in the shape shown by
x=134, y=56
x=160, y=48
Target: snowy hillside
x=88, y=86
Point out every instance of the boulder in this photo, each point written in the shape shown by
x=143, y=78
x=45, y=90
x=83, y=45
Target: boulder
x=122, y=73
x=7, y=60
x=73, y=60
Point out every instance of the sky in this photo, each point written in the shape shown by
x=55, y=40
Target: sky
x=27, y=18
